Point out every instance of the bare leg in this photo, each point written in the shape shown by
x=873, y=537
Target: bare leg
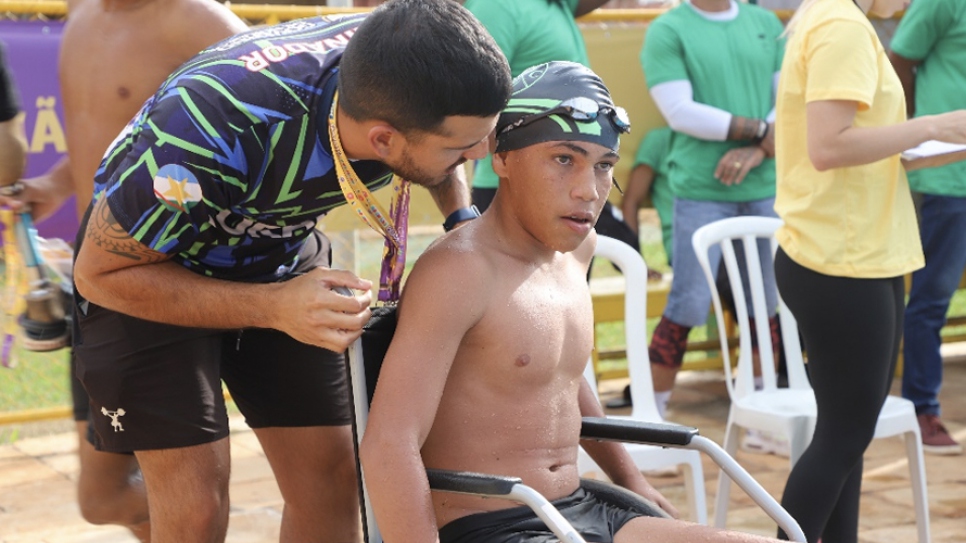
x=663, y=377
x=652, y=529
x=315, y=470
x=110, y=489
x=188, y=487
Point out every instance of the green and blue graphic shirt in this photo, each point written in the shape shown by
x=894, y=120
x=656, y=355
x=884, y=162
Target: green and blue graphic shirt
x=228, y=167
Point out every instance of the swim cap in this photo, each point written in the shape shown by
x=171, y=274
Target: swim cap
x=559, y=101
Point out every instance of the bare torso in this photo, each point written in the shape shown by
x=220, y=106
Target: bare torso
x=114, y=56
x=529, y=376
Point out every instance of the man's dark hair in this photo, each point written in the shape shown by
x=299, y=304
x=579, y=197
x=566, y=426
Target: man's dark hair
x=412, y=63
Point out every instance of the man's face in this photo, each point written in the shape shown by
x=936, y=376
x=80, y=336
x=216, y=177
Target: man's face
x=430, y=158
x=556, y=189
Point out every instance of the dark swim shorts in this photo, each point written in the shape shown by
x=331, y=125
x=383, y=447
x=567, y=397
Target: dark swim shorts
x=158, y=386
x=594, y=519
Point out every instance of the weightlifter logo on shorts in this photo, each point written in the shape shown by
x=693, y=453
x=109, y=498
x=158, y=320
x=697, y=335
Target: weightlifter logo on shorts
x=176, y=188
x=115, y=415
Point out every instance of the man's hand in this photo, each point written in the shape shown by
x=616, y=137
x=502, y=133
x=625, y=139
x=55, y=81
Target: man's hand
x=310, y=310
x=736, y=163
x=44, y=195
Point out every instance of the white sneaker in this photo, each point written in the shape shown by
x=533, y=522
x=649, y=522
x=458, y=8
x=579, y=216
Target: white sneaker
x=762, y=442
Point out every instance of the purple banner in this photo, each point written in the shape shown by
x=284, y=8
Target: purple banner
x=32, y=50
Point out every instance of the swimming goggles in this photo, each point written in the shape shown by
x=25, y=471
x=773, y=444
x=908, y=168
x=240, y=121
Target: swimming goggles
x=579, y=109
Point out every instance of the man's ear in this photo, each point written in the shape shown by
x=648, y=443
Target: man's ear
x=383, y=139
x=499, y=164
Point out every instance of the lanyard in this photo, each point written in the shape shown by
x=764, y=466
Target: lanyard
x=371, y=211
x=14, y=289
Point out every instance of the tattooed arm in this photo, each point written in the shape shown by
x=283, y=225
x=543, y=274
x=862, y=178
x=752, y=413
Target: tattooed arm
x=117, y=272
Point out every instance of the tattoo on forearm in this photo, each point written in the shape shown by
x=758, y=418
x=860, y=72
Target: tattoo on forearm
x=742, y=128
x=105, y=232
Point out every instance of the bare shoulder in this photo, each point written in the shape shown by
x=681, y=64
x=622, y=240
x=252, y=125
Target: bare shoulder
x=209, y=11
x=203, y=23
x=456, y=259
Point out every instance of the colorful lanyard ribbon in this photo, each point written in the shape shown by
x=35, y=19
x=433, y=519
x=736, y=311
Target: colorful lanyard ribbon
x=14, y=289
x=371, y=211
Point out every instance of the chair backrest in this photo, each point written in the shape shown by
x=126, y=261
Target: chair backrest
x=635, y=324
x=747, y=231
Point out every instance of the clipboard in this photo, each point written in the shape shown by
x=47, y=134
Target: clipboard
x=932, y=154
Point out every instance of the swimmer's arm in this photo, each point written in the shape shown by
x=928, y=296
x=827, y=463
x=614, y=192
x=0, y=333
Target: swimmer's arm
x=434, y=316
x=612, y=457
x=115, y=271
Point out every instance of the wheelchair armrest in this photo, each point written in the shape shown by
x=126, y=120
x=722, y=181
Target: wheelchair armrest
x=611, y=429
x=467, y=482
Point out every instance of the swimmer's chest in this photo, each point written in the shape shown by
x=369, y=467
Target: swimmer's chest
x=543, y=329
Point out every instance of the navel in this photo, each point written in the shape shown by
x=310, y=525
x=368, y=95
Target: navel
x=522, y=360
x=123, y=93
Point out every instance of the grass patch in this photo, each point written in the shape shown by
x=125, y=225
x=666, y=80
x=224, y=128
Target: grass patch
x=39, y=380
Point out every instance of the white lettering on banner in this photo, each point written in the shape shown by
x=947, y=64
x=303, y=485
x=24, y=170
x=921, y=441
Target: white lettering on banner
x=47, y=127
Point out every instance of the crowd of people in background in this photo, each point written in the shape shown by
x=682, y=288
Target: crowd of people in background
x=804, y=121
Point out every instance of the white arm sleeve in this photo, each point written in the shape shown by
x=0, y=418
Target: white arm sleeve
x=774, y=92
x=675, y=100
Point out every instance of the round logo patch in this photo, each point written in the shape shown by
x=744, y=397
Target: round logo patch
x=176, y=188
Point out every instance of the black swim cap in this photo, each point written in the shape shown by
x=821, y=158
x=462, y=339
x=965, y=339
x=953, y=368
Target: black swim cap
x=559, y=101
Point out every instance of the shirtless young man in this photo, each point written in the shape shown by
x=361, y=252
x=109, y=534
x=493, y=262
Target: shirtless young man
x=114, y=54
x=489, y=379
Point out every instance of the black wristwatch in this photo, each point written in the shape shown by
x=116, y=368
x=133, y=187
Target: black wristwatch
x=460, y=215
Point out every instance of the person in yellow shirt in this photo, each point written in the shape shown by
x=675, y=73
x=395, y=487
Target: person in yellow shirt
x=849, y=236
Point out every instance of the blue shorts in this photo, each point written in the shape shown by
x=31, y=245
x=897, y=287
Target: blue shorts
x=690, y=298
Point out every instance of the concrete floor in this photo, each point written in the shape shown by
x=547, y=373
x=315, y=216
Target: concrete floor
x=38, y=474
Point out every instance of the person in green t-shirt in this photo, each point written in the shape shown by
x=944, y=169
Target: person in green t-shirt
x=649, y=177
x=711, y=67
x=529, y=32
x=929, y=55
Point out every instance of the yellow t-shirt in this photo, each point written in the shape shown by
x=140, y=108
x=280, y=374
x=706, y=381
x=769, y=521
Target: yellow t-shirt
x=856, y=221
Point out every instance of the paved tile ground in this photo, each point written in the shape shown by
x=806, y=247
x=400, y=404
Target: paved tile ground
x=37, y=477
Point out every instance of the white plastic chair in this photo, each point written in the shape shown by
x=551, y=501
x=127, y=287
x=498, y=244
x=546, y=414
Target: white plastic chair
x=788, y=411
x=646, y=457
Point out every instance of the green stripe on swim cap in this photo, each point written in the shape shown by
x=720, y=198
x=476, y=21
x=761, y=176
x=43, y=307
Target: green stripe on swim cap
x=545, y=86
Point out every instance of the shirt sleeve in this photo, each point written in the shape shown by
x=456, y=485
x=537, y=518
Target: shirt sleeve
x=662, y=56
x=922, y=26
x=167, y=179
x=841, y=63
x=654, y=148
x=9, y=99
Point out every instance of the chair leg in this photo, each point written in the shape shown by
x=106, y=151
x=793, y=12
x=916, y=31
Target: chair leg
x=724, y=482
x=917, y=476
x=694, y=485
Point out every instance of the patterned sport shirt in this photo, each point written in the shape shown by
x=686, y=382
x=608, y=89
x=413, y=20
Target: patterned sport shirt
x=228, y=167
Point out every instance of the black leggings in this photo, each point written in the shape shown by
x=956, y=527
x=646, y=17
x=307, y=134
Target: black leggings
x=851, y=330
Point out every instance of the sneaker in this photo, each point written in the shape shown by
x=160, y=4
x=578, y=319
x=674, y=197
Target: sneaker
x=935, y=437
x=762, y=442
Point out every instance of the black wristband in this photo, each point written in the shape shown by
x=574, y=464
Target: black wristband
x=460, y=215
